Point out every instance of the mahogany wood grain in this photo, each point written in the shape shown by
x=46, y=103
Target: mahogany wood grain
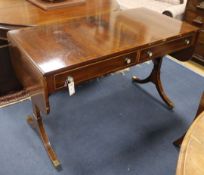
x=90, y=47
x=155, y=78
x=62, y=46
x=21, y=12
x=31, y=79
x=51, y=5
x=16, y=14
x=36, y=121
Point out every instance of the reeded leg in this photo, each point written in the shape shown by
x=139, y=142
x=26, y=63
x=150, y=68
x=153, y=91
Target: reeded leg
x=154, y=77
x=36, y=120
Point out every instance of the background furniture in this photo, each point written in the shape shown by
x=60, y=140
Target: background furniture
x=49, y=5
x=195, y=15
x=192, y=150
x=164, y=7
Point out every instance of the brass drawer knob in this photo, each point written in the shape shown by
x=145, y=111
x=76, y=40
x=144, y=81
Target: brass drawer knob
x=149, y=53
x=187, y=41
x=128, y=60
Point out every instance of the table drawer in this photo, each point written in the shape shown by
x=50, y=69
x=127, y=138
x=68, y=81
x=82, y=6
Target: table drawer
x=166, y=48
x=95, y=69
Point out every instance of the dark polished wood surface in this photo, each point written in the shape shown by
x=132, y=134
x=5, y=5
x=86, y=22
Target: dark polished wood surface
x=56, y=4
x=90, y=47
x=91, y=38
x=20, y=13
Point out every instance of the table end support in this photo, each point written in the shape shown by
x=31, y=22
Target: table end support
x=154, y=77
x=36, y=120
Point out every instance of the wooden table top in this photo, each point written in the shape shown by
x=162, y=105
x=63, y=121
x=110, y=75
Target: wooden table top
x=191, y=158
x=22, y=12
x=66, y=45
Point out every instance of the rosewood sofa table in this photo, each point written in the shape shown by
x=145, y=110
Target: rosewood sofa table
x=48, y=58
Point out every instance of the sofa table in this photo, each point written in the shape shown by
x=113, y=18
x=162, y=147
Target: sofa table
x=62, y=55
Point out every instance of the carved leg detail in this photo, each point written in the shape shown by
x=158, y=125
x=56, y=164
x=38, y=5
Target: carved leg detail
x=154, y=77
x=146, y=80
x=36, y=120
x=160, y=89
